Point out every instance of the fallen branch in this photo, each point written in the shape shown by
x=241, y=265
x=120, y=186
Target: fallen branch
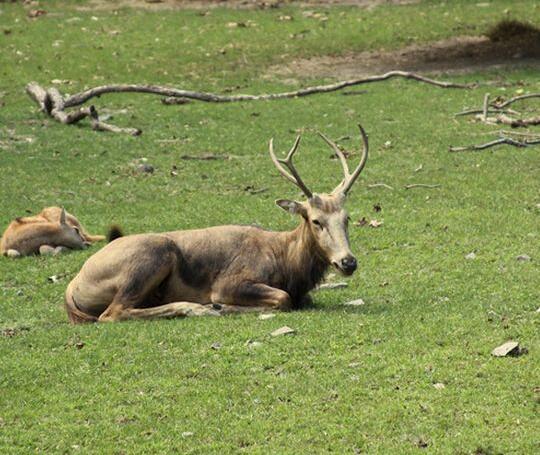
x=490, y=111
x=380, y=185
x=421, y=185
x=500, y=141
x=506, y=120
x=52, y=103
x=516, y=98
x=518, y=133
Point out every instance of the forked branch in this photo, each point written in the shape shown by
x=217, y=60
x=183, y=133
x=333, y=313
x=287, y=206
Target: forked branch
x=52, y=103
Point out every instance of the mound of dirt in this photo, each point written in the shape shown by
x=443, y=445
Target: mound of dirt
x=514, y=31
x=456, y=55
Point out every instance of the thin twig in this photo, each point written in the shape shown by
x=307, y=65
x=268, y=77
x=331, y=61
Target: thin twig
x=503, y=140
x=518, y=133
x=380, y=185
x=421, y=185
x=517, y=98
x=480, y=111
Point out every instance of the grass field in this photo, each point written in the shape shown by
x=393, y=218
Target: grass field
x=357, y=380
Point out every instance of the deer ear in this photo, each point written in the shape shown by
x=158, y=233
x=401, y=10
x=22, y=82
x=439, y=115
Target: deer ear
x=296, y=208
x=63, y=216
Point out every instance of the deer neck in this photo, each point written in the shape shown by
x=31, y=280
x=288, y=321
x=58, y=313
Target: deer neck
x=306, y=264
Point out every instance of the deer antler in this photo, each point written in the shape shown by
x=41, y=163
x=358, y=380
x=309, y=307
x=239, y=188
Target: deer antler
x=348, y=178
x=293, y=176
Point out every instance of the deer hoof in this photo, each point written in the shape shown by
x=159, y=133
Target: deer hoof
x=46, y=250
x=60, y=250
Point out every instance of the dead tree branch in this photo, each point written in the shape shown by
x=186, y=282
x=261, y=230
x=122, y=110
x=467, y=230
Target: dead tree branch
x=500, y=115
x=516, y=98
x=500, y=141
x=52, y=103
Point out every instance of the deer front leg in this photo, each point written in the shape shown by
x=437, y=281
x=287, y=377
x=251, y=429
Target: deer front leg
x=247, y=294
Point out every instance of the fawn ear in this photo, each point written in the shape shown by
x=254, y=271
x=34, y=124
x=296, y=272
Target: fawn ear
x=63, y=216
x=294, y=207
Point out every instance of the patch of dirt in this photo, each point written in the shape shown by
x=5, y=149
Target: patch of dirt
x=458, y=55
x=157, y=5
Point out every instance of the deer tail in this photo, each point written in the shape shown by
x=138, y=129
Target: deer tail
x=114, y=233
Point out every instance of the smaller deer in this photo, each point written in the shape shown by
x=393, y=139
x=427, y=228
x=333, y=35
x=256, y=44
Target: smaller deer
x=51, y=231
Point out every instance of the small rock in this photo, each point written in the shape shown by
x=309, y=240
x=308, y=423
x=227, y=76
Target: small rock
x=54, y=278
x=357, y=302
x=145, y=168
x=523, y=257
x=332, y=285
x=283, y=331
x=510, y=348
x=215, y=346
x=439, y=385
x=470, y=256
x=266, y=316
x=253, y=344
x=187, y=434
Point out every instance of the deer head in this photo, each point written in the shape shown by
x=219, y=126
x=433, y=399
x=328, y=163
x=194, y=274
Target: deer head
x=71, y=236
x=324, y=214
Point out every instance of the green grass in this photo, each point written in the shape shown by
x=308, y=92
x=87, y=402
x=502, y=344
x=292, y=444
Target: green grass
x=350, y=380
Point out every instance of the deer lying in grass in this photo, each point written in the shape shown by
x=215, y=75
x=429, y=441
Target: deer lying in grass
x=221, y=269
x=51, y=231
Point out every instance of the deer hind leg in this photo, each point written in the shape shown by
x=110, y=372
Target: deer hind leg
x=139, y=296
x=170, y=310
x=11, y=253
x=252, y=297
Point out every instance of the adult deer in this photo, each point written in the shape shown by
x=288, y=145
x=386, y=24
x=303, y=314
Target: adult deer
x=221, y=269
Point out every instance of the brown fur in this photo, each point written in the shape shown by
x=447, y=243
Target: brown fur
x=231, y=268
x=25, y=235
x=237, y=266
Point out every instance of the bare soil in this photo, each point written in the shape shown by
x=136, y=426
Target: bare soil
x=158, y=5
x=456, y=55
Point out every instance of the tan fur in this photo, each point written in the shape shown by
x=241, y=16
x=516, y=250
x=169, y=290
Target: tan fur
x=27, y=235
x=222, y=269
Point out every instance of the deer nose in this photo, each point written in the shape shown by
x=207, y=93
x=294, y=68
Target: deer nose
x=349, y=264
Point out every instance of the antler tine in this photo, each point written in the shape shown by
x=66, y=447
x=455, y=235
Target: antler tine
x=293, y=176
x=348, y=183
x=339, y=154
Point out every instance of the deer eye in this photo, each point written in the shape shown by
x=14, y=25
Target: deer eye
x=317, y=223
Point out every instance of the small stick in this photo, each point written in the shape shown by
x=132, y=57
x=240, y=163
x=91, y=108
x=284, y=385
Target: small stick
x=380, y=185
x=518, y=133
x=517, y=98
x=480, y=111
x=421, y=185
x=485, y=108
x=503, y=140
